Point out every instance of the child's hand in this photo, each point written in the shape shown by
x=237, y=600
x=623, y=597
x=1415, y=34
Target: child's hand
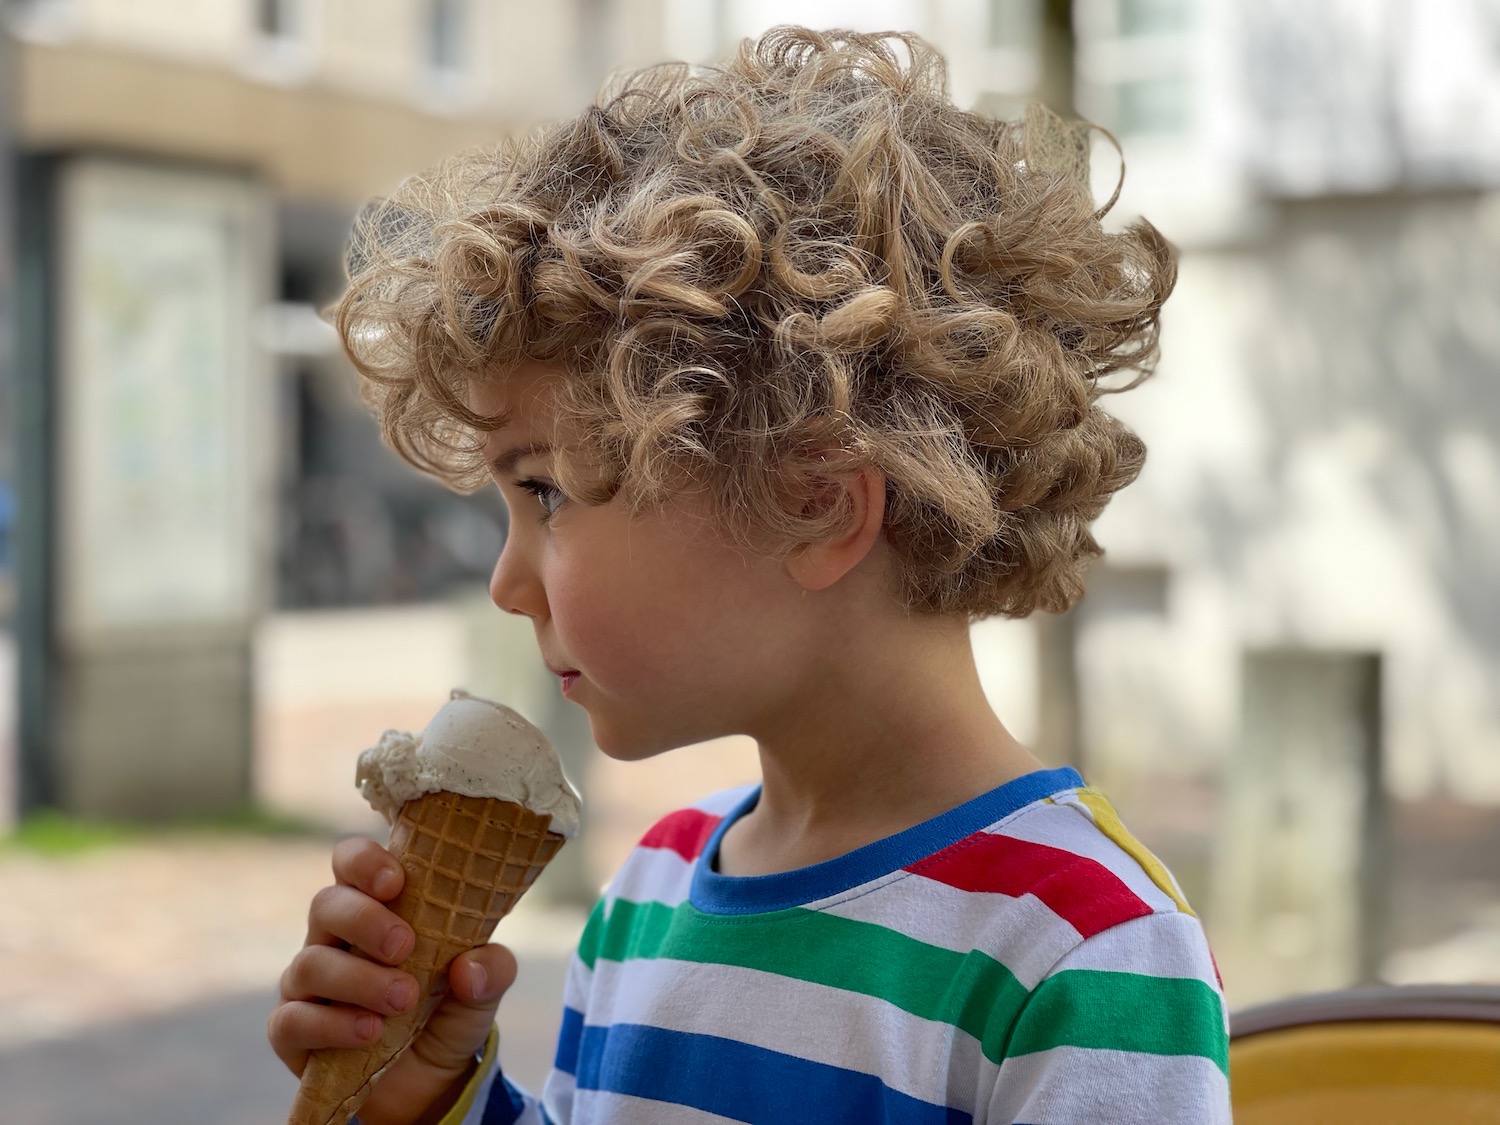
x=332, y=998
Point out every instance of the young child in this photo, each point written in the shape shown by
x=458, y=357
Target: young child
x=787, y=372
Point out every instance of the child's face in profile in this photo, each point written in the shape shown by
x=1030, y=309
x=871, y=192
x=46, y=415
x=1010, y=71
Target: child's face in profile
x=677, y=638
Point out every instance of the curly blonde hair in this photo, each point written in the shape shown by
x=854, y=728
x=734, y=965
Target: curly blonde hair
x=758, y=275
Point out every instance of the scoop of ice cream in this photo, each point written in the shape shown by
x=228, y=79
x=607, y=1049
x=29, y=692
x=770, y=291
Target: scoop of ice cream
x=475, y=747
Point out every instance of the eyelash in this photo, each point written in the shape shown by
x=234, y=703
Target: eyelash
x=539, y=489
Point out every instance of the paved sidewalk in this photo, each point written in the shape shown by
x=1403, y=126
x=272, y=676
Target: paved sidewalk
x=138, y=978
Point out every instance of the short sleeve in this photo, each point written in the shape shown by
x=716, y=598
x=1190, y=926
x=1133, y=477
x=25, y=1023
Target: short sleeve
x=1129, y=1027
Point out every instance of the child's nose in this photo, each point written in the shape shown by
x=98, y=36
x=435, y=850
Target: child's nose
x=514, y=584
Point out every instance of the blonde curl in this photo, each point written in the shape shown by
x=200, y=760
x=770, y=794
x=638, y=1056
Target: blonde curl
x=758, y=275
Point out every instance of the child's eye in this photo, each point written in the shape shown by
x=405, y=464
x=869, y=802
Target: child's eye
x=549, y=495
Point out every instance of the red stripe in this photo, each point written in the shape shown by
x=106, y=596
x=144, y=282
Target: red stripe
x=684, y=831
x=1082, y=891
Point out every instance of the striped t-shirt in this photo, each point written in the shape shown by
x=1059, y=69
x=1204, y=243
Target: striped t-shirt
x=1020, y=958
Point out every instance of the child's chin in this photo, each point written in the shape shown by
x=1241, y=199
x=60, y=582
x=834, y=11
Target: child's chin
x=625, y=746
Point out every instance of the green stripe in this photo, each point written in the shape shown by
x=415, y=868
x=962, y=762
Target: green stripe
x=593, y=932
x=1124, y=1012
x=971, y=991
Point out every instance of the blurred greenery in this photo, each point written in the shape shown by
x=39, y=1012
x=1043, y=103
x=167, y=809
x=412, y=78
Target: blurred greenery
x=52, y=833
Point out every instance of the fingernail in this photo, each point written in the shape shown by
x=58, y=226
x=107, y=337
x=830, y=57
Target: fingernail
x=394, y=940
x=366, y=1025
x=399, y=995
x=481, y=981
x=385, y=882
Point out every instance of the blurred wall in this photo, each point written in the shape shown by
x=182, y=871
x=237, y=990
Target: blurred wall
x=1323, y=432
x=336, y=108
x=1324, y=442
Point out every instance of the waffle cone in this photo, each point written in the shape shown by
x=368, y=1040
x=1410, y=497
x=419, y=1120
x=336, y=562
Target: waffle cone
x=467, y=860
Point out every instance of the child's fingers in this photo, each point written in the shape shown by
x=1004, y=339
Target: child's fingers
x=299, y=1027
x=477, y=980
x=321, y=972
x=345, y=914
x=365, y=865
x=483, y=975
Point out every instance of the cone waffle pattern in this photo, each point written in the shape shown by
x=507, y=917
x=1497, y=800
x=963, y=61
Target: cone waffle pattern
x=468, y=860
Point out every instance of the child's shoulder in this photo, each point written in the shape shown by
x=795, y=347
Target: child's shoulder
x=1058, y=883
x=1071, y=850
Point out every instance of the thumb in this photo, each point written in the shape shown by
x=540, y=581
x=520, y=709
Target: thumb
x=461, y=1023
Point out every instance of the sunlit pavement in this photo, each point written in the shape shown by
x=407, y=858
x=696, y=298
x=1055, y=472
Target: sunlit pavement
x=138, y=979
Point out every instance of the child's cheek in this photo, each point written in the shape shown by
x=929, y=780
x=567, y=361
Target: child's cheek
x=596, y=626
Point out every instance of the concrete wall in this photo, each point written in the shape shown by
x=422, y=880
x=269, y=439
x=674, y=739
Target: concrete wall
x=339, y=117
x=1325, y=471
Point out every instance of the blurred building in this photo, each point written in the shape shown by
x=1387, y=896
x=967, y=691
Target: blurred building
x=1292, y=653
x=1286, y=670
x=189, y=451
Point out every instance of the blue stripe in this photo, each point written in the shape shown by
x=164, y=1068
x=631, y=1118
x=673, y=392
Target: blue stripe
x=505, y=1103
x=713, y=893
x=567, y=1041
x=743, y=1082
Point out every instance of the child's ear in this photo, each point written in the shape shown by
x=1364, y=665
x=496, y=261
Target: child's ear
x=816, y=566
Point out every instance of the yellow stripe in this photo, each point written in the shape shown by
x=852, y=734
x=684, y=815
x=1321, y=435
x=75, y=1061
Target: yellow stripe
x=455, y=1116
x=1109, y=823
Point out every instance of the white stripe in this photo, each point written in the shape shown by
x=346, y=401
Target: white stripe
x=1073, y=830
x=558, y=1096
x=1023, y=934
x=850, y=893
x=651, y=875
x=576, y=988
x=794, y=1017
x=1069, y=1085
x=601, y=1107
x=725, y=801
x=1158, y=945
x=531, y=1115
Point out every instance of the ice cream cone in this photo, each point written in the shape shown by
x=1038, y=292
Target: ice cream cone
x=467, y=860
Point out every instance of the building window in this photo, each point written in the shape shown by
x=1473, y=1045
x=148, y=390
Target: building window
x=448, y=33
x=1013, y=24
x=597, y=36
x=43, y=20
x=1135, y=65
x=280, y=19
x=282, y=46
x=1153, y=17
x=1153, y=106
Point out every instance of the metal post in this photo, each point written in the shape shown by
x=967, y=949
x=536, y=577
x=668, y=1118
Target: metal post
x=7, y=248
x=24, y=432
x=9, y=785
x=1060, y=734
x=31, y=387
x=1375, y=867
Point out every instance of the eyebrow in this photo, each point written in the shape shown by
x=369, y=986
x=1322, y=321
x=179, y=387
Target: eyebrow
x=504, y=463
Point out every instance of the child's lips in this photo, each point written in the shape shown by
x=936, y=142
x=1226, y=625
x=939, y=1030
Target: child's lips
x=569, y=676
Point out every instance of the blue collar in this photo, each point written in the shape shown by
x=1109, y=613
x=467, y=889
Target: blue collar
x=713, y=893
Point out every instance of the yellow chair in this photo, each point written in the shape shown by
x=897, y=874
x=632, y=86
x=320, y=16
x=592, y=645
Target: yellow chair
x=1409, y=1055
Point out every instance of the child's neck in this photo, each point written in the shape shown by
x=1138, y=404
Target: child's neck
x=874, y=755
